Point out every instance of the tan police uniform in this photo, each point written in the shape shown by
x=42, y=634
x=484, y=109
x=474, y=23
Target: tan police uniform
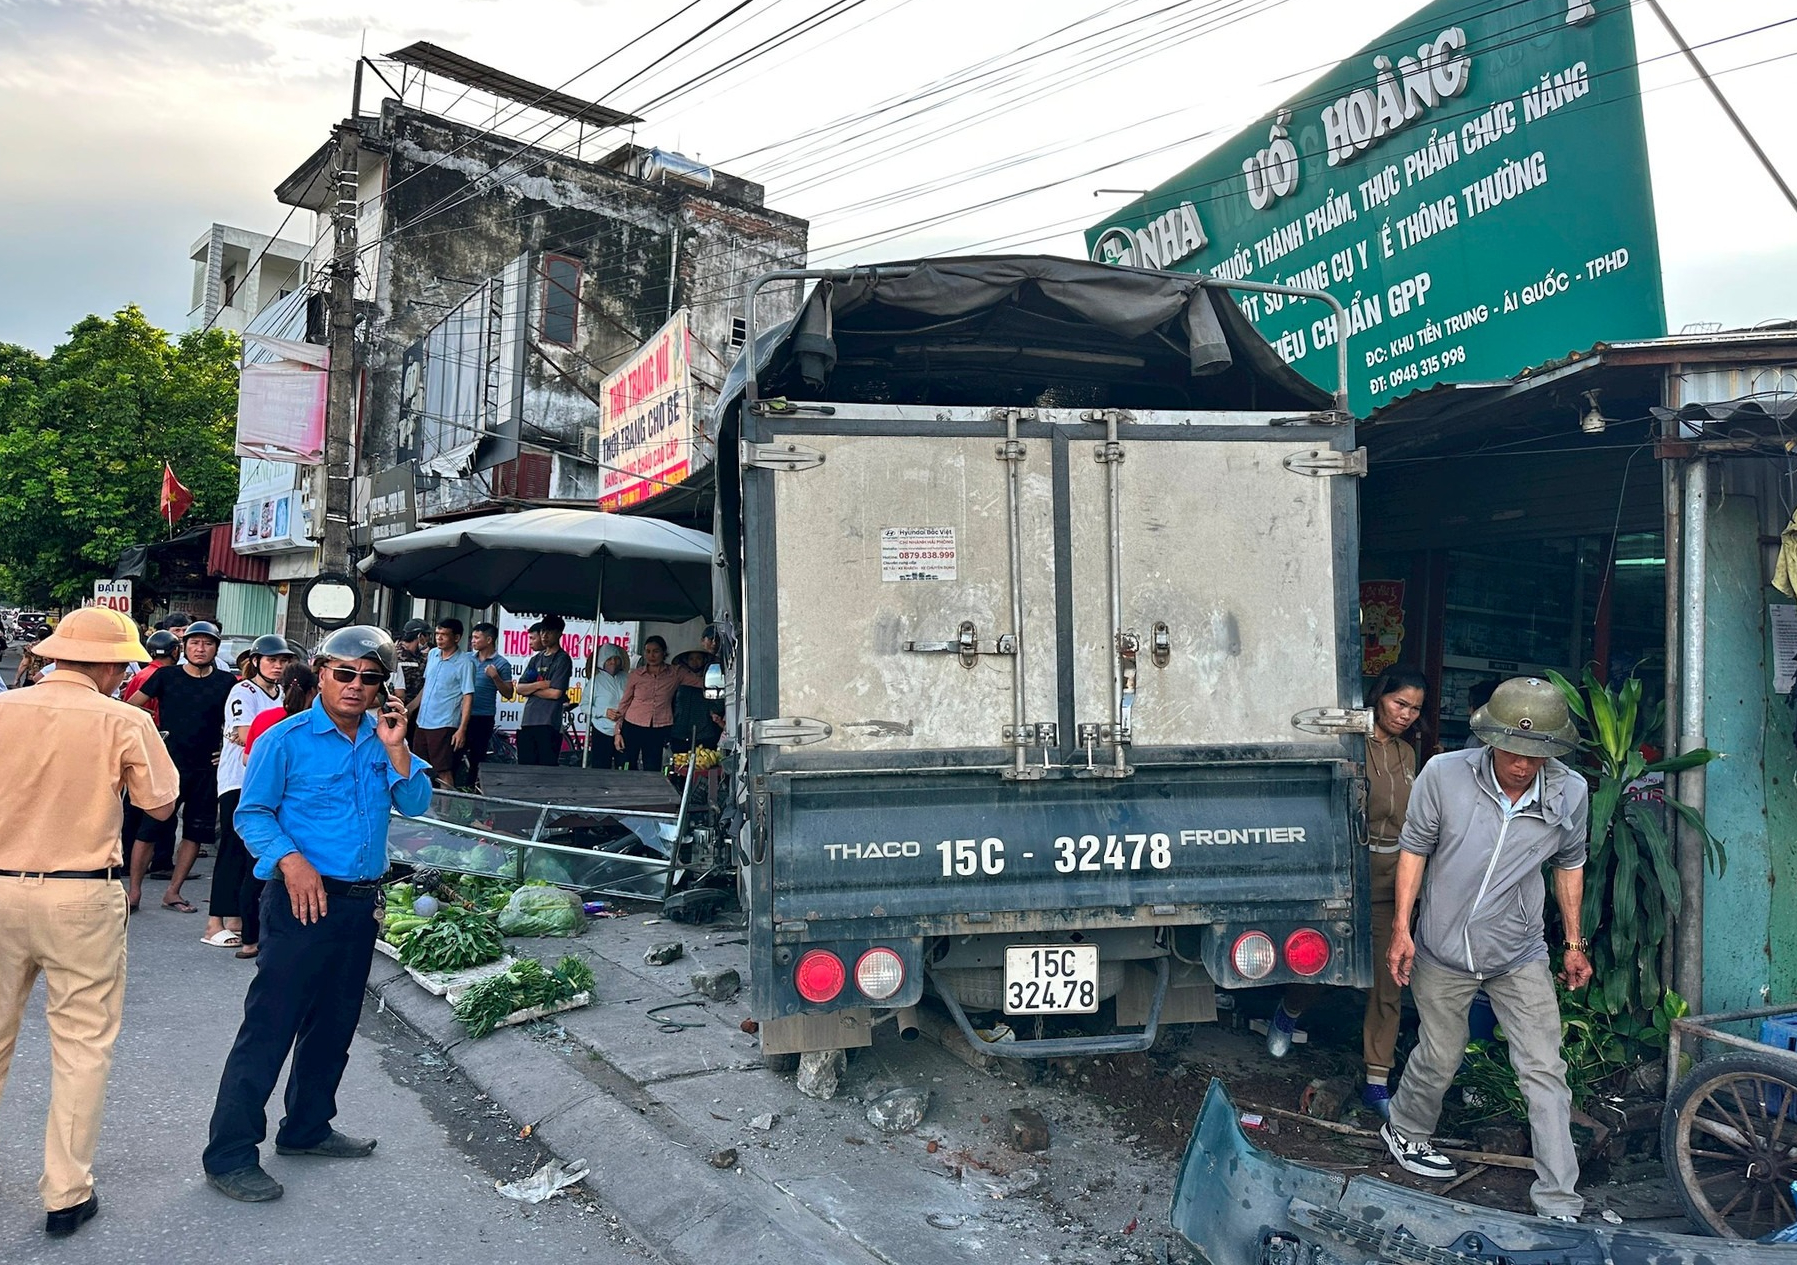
x=68, y=752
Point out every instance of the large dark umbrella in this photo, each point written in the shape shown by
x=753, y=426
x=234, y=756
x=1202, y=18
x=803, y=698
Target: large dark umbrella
x=555, y=561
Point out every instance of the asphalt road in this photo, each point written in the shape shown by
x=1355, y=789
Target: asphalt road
x=426, y=1195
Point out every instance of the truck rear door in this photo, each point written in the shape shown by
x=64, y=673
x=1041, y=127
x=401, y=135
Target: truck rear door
x=1047, y=661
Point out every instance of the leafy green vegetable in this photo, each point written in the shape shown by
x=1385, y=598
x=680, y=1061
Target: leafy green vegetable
x=520, y=986
x=454, y=940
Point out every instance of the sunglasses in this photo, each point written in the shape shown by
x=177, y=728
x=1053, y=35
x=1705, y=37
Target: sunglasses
x=346, y=675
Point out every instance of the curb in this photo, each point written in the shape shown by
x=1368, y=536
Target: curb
x=663, y=1190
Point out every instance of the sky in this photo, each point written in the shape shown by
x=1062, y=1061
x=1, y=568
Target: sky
x=127, y=127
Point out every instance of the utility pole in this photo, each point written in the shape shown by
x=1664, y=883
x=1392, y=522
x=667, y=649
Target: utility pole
x=333, y=489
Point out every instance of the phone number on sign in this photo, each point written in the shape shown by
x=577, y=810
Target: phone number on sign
x=1423, y=367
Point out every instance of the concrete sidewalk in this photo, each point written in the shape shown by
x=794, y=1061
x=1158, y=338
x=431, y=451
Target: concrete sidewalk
x=426, y=1195
x=648, y=1104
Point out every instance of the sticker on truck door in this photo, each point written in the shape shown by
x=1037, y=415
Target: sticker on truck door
x=917, y=553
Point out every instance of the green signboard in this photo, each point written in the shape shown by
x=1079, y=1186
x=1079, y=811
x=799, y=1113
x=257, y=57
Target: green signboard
x=1472, y=186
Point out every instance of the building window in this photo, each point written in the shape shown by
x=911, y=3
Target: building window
x=739, y=330
x=227, y=289
x=561, y=299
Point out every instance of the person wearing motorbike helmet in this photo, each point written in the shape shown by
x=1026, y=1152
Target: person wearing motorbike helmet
x=164, y=648
x=259, y=691
x=191, y=715
x=412, y=644
x=314, y=811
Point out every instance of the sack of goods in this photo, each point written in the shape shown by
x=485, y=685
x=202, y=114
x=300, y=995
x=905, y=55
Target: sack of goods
x=536, y=910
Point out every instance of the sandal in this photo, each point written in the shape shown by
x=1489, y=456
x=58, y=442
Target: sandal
x=249, y=951
x=224, y=938
x=182, y=906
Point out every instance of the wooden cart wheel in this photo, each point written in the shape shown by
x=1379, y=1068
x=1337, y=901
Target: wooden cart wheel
x=1729, y=1140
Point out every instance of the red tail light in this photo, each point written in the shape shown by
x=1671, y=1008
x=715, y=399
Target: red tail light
x=1307, y=951
x=820, y=976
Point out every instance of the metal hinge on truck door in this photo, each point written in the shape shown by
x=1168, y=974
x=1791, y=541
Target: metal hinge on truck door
x=779, y=455
x=966, y=644
x=788, y=731
x=1325, y=462
x=1335, y=722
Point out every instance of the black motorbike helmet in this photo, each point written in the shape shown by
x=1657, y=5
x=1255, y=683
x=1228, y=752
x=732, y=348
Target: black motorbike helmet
x=270, y=643
x=359, y=641
x=162, y=644
x=413, y=628
x=203, y=628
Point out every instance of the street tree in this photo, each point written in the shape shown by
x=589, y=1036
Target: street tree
x=84, y=433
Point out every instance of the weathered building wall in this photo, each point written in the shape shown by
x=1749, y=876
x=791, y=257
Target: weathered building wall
x=446, y=224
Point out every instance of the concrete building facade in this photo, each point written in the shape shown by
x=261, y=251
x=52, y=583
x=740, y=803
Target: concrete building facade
x=237, y=274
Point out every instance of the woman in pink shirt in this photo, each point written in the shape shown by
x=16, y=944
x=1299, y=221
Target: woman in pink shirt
x=646, y=712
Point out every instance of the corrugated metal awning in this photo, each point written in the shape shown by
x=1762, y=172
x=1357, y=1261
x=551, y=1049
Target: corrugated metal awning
x=227, y=564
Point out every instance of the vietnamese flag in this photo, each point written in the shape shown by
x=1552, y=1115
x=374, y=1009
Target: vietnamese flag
x=176, y=500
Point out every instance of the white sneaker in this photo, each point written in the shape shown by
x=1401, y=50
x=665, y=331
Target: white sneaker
x=1417, y=1156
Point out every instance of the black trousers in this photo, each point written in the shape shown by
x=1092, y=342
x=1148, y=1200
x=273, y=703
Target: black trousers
x=306, y=997
x=604, y=755
x=233, y=861
x=643, y=745
x=474, y=750
x=539, y=744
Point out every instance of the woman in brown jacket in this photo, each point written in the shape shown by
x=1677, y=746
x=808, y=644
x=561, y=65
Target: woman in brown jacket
x=1396, y=699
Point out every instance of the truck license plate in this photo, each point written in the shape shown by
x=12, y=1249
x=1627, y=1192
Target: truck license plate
x=1051, y=979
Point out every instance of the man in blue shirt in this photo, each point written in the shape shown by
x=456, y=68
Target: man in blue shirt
x=492, y=682
x=314, y=813
x=445, y=703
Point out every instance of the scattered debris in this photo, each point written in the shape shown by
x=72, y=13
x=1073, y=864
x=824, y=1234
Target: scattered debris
x=899, y=1111
x=545, y=1183
x=1611, y=1217
x=852, y=1140
x=765, y=1121
x=658, y=1015
x=1005, y=1185
x=719, y=985
x=820, y=1071
x=933, y=1146
x=1029, y=1130
x=945, y=1220
x=725, y=1158
x=662, y=954
x=749, y=1026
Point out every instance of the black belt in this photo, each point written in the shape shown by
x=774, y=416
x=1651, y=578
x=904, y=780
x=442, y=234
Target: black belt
x=343, y=887
x=110, y=872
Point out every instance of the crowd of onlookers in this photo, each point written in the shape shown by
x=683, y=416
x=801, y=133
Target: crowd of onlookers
x=638, y=715
x=209, y=714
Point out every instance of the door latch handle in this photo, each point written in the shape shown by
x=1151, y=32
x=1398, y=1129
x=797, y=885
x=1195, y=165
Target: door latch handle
x=966, y=645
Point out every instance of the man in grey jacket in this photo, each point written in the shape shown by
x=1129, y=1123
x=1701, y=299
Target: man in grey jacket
x=1481, y=825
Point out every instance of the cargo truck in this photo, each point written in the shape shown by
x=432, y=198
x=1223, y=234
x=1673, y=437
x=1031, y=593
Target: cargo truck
x=1039, y=583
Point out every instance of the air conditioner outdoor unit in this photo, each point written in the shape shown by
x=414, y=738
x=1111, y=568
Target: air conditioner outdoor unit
x=589, y=442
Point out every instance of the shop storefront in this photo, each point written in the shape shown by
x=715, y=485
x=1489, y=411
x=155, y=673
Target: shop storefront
x=1548, y=556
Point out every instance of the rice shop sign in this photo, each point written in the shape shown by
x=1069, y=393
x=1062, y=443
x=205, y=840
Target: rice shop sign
x=1472, y=186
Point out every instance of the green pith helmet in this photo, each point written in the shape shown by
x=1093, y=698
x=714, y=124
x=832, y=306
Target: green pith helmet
x=1526, y=716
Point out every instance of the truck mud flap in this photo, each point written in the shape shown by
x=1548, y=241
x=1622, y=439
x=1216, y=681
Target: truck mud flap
x=1237, y=1205
x=1064, y=1047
